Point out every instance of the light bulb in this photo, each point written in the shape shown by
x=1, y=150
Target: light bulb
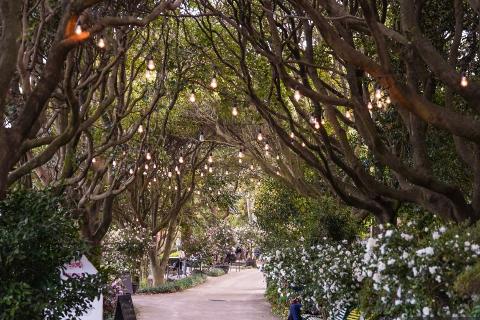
x=180, y=160
x=378, y=93
x=114, y=163
x=297, y=95
x=322, y=122
x=267, y=154
x=226, y=172
x=148, y=156
x=213, y=83
x=259, y=136
x=292, y=135
x=303, y=144
x=240, y=160
x=192, y=97
x=169, y=174
x=348, y=115
x=144, y=173
x=388, y=100
x=267, y=147
x=140, y=129
x=94, y=160
x=205, y=167
x=210, y=158
x=369, y=105
x=251, y=167
x=278, y=173
x=234, y=111
x=278, y=157
x=464, y=81
x=176, y=169
x=150, y=64
x=154, y=166
x=317, y=125
x=210, y=169
x=154, y=179
x=201, y=137
x=101, y=43
x=201, y=174
x=78, y=29
x=146, y=166
x=130, y=171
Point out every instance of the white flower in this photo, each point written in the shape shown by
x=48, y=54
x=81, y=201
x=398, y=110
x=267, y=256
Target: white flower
x=388, y=233
x=406, y=236
x=376, y=277
x=432, y=270
x=443, y=229
x=381, y=266
x=467, y=243
x=435, y=235
x=390, y=261
x=371, y=243
x=426, y=311
x=405, y=255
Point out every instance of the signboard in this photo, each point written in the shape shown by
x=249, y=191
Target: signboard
x=124, y=309
x=80, y=268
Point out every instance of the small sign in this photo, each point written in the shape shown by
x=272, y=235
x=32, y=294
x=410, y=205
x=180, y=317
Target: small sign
x=79, y=269
x=124, y=309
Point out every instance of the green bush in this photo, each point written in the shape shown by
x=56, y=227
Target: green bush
x=176, y=285
x=215, y=272
x=36, y=239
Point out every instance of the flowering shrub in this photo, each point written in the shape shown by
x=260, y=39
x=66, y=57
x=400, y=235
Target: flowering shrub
x=409, y=272
x=400, y=273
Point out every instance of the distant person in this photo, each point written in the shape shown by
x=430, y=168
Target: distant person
x=294, y=313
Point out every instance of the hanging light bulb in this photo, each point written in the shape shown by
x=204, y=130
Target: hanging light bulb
x=148, y=156
x=205, y=167
x=278, y=173
x=297, y=95
x=144, y=173
x=201, y=137
x=388, y=100
x=259, y=135
x=78, y=29
x=176, y=169
x=348, y=115
x=176, y=188
x=292, y=135
x=150, y=63
x=101, y=43
x=267, y=147
x=130, y=171
x=154, y=179
x=464, y=80
x=240, y=153
x=317, y=125
x=234, y=111
x=146, y=166
x=267, y=153
x=192, y=98
x=201, y=174
x=252, y=167
x=140, y=129
x=180, y=160
x=369, y=105
x=210, y=169
x=169, y=174
x=278, y=157
x=303, y=144
x=154, y=166
x=226, y=172
x=94, y=160
x=114, y=163
x=210, y=158
x=213, y=83
x=378, y=93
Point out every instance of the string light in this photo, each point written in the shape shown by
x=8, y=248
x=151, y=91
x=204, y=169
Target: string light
x=292, y=135
x=201, y=174
x=369, y=105
x=303, y=144
x=210, y=158
x=146, y=166
x=378, y=93
x=140, y=129
x=150, y=63
x=169, y=174
x=148, y=156
x=154, y=179
x=234, y=111
x=464, y=81
x=259, y=135
x=297, y=95
x=210, y=169
x=251, y=167
x=192, y=98
x=201, y=137
x=278, y=157
x=94, y=160
x=114, y=163
x=154, y=166
x=213, y=83
x=348, y=115
x=101, y=43
x=130, y=171
x=78, y=29
x=180, y=160
x=144, y=173
x=388, y=100
x=206, y=167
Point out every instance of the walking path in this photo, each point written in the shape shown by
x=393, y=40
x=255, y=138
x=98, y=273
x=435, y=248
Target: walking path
x=235, y=296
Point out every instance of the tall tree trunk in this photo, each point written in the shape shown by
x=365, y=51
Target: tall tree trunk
x=155, y=267
x=166, y=250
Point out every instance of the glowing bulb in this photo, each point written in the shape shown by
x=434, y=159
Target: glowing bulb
x=78, y=29
x=322, y=122
x=303, y=144
x=140, y=129
x=348, y=115
x=234, y=111
x=180, y=160
x=169, y=174
x=154, y=166
x=251, y=167
x=150, y=63
x=94, y=160
x=176, y=169
x=378, y=93
x=201, y=137
x=114, y=163
x=130, y=171
x=101, y=43
x=240, y=154
x=146, y=166
x=210, y=169
x=210, y=158
x=154, y=179
x=206, y=167
x=144, y=173
x=192, y=97
x=317, y=125
x=259, y=136
x=267, y=154
x=369, y=106
x=278, y=173
x=267, y=147
x=292, y=135
x=278, y=157
x=388, y=100
x=226, y=172
x=148, y=156
x=213, y=83
x=464, y=81
x=297, y=95
x=240, y=160
x=201, y=174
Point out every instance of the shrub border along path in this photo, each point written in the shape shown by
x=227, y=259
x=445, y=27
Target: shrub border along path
x=176, y=285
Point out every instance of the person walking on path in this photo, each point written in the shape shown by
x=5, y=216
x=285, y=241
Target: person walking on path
x=294, y=312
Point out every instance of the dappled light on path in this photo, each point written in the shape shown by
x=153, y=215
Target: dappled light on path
x=235, y=296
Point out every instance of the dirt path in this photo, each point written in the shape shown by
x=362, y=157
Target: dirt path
x=235, y=296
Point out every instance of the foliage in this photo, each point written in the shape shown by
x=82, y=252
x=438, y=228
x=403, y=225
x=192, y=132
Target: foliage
x=215, y=272
x=401, y=272
x=176, y=285
x=37, y=238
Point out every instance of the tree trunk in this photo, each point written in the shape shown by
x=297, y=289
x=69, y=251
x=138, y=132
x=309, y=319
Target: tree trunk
x=155, y=267
x=166, y=250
